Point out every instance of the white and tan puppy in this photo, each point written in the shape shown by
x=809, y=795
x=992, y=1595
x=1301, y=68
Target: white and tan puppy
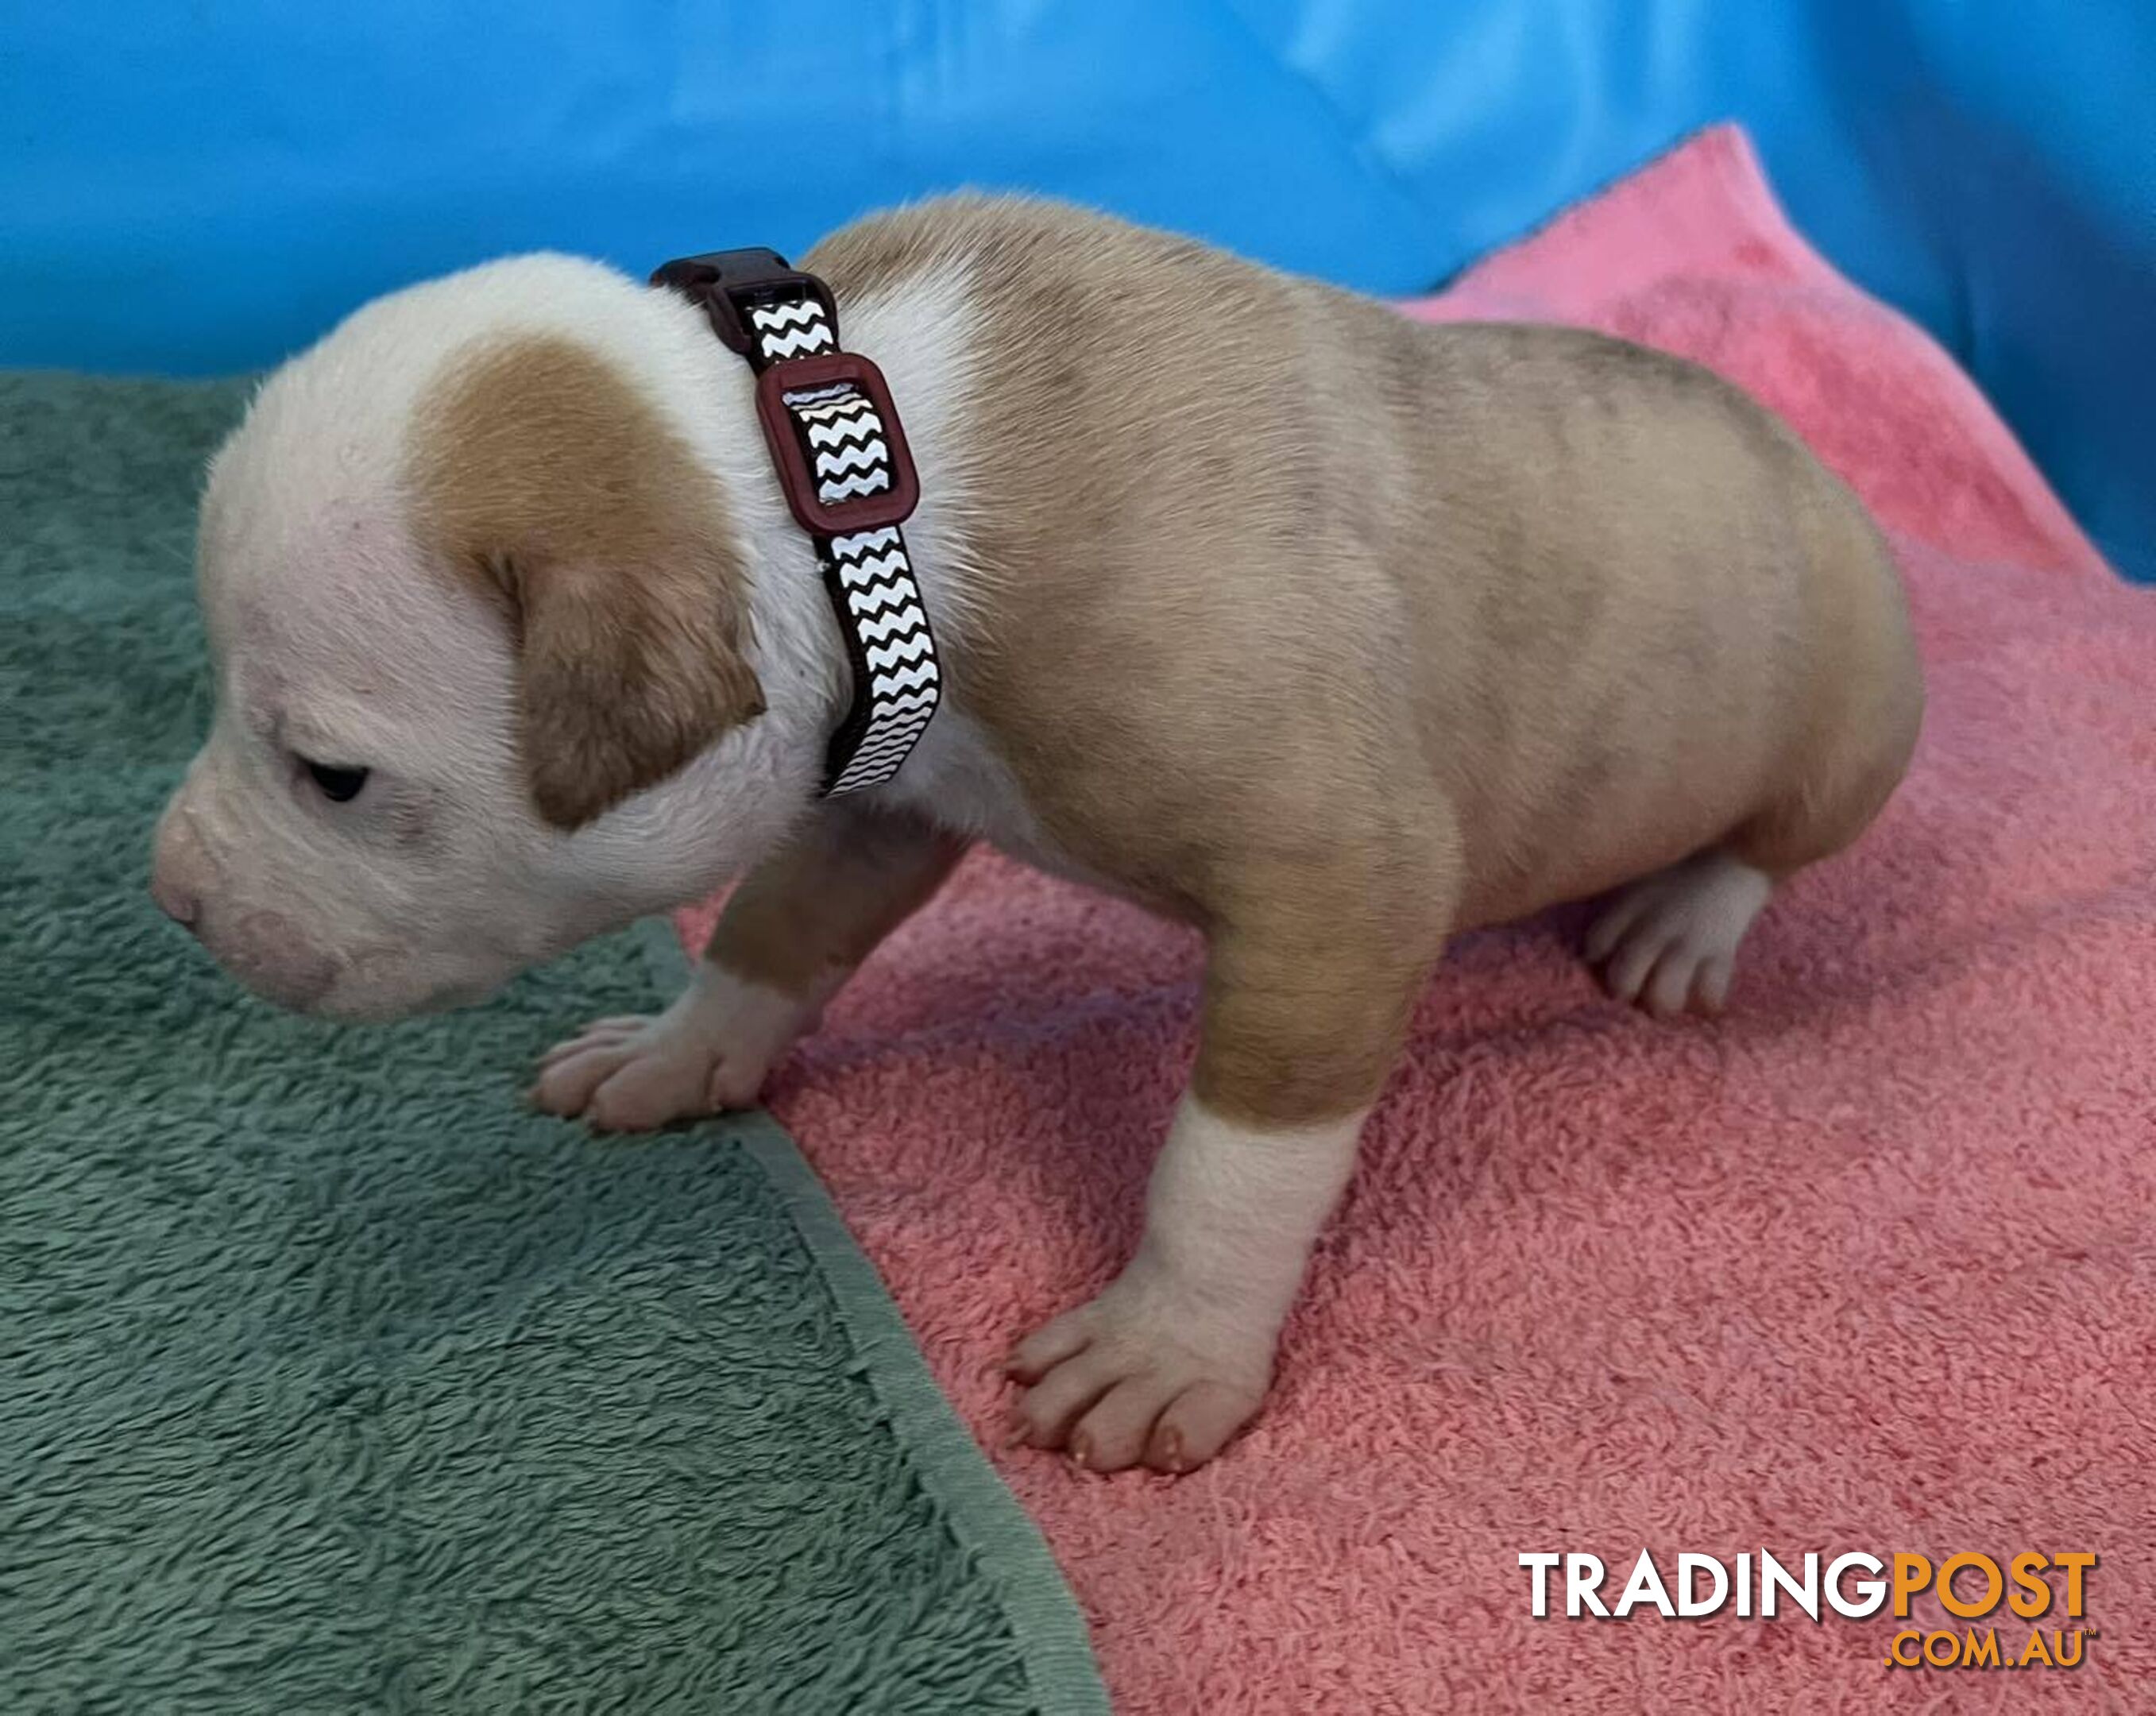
x=1324, y=631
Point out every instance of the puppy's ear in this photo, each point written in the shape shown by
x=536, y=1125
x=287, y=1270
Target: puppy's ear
x=541, y=473
x=628, y=667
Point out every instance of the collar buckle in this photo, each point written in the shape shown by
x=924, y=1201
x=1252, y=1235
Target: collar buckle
x=727, y=284
x=832, y=428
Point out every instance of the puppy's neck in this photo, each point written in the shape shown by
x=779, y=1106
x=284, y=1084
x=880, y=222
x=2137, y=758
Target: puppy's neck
x=921, y=331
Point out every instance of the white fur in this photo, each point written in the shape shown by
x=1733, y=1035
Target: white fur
x=1233, y=1210
x=336, y=641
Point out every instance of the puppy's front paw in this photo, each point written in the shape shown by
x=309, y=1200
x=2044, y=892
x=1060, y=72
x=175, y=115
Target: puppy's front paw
x=1139, y=1376
x=709, y=1052
x=628, y=1075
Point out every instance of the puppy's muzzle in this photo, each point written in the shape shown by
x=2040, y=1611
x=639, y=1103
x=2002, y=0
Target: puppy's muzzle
x=265, y=950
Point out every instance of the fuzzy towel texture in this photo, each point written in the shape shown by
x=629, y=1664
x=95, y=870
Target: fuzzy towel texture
x=331, y=1379
x=1867, y=1265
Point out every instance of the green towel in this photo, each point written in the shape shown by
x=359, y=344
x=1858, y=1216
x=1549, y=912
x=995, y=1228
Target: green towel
x=331, y=1379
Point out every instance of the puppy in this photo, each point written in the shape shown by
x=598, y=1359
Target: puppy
x=1324, y=631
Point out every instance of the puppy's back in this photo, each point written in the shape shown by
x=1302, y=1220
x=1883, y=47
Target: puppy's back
x=1599, y=599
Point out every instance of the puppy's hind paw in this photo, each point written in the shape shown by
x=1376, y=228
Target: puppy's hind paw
x=1669, y=941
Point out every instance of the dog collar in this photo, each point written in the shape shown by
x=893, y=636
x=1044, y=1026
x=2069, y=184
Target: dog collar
x=849, y=481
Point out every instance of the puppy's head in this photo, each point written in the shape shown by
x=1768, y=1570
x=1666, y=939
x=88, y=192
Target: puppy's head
x=487, y=671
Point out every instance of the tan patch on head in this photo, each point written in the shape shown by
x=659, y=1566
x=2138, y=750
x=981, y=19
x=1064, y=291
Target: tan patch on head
x=541, y=475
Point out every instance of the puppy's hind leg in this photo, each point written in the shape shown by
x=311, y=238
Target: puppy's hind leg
x=1669, y=941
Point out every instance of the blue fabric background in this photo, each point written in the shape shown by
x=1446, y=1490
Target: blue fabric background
x=199, y=187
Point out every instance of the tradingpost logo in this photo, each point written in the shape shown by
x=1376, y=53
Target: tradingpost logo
x=2016, y=1610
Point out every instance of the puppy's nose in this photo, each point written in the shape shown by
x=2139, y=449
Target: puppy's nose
x=176, y=869
x=175, y=901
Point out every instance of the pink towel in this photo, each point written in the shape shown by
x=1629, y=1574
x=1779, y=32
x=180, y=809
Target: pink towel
x=1868, y=1265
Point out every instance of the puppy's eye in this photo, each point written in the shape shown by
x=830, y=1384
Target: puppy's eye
x=340, y=786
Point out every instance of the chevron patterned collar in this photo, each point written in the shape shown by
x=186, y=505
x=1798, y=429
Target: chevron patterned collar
x=849, y=482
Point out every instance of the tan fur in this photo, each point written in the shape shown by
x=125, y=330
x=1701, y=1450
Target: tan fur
x=819, y=907
x=540, y=473
x=1330, y=632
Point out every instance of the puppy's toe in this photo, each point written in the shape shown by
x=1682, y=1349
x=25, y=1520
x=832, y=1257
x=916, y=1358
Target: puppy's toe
x=1066, y=1390
x=1668, y=989
x=646, y=1092
x=1709, y=992
x=1197, y=1425
x=573, y=1072
x=1608, y=927
x=1633, y=960
x=1049, y=1345
x=1114, y=1433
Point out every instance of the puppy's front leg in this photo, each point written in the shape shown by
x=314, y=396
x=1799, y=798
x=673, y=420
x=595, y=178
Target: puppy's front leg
x=791, y=935
x=1306, y=1001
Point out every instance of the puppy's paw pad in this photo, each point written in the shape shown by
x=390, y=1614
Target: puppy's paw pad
x=1129, y=1379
